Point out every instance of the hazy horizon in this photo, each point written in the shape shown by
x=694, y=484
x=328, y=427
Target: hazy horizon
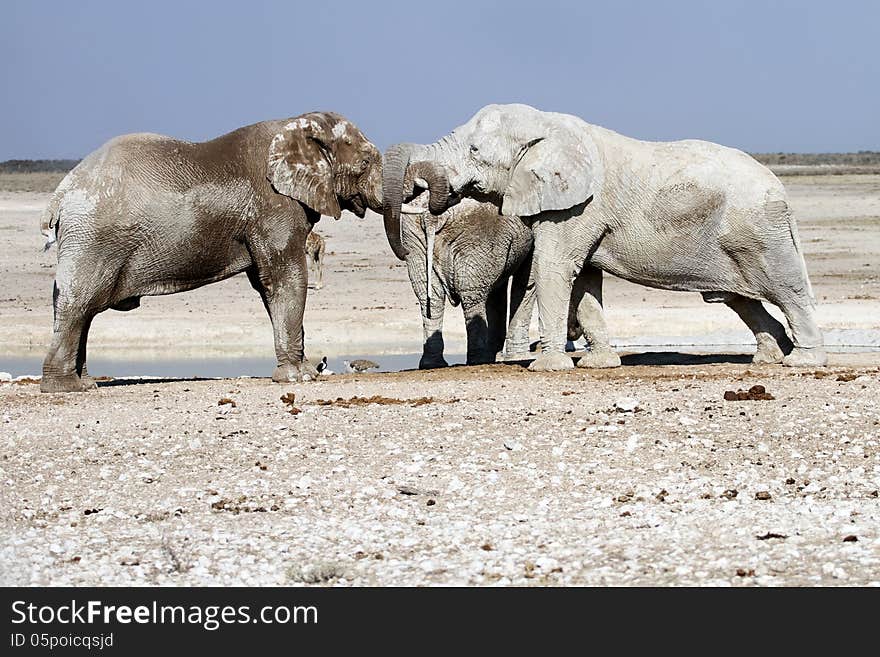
x=761, y=76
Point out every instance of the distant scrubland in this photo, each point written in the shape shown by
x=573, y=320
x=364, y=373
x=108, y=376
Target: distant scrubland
x=809, y=164
x=44, y=175
x=37, y=166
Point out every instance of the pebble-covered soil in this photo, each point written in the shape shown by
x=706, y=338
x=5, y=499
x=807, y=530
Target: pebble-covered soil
x=486, y=475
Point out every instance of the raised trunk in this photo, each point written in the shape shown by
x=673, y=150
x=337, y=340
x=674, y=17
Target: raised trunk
x=397, y=175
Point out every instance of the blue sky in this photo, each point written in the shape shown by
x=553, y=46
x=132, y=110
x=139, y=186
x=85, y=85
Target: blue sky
x=762, y=76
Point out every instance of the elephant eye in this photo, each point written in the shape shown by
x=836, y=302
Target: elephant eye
x=474, y=149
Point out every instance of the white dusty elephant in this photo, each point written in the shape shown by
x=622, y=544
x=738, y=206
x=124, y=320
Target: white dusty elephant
x=149, y=215
x=467, y=255
x=685, y=215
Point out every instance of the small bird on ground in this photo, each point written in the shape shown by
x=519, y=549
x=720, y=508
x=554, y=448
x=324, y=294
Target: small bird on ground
x=322, y=368
x=359, y=365
x=569, y=346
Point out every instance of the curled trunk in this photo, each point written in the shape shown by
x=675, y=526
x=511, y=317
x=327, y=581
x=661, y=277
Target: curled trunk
x=399, y=180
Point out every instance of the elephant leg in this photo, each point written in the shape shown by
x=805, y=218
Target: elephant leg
x=477, y=327
x=781, y=277
x=81, y=364
x=496, y=317
x=319, y=265
x=522, y=303
x=553, y=283
x=432, y=323
x=807, y=337
x=283, y=290
x=432, y=312
x=586, y=298
x=575, y=330
x=773, y=343
x=65, y=360
x=788, y=289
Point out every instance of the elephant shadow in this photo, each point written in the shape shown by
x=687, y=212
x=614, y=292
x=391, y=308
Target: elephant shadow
x=132, y=381
x=681, y=358
x=663, y=358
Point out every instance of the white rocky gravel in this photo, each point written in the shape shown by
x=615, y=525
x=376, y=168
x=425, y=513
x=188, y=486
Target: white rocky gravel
x=497, y=476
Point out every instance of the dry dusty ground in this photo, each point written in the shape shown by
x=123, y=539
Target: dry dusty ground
x=489, y=475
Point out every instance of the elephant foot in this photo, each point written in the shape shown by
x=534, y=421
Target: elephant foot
x=551, y=361
x=599, y=359
x=89, y=382
x=293, y=373
x=432, y=362
x=806, y=357
x=480, y=359
x=768, y=352
x=64, y=383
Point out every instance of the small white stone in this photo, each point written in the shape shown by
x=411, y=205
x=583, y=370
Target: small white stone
x=626, y=404
x=546, y=563
x=455, y=484
x=686, y=421
x=632, y=442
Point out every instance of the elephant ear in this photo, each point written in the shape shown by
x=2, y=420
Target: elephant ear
x=300, y=165
x=553, y=173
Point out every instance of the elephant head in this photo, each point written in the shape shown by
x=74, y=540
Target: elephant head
x=324, y=161
x=521, y=159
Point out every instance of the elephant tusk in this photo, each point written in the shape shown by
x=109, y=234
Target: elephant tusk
x=421, y=182
x=409, y=208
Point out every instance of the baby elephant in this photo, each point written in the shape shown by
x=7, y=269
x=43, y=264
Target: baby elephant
x=315, y=247
x=467, y=255
x=148, y=215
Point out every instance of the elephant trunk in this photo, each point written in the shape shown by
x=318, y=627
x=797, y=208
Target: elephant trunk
x=397, y=174
x=393, y=171
x=438, y=184
x=373, y=191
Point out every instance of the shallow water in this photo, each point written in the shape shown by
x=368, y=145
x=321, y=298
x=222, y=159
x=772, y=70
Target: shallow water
x=213, y=367
x=208, y=367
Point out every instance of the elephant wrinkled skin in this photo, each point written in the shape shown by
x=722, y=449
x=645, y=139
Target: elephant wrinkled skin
x=684, y=215
x=147, y=215
x=473, y=253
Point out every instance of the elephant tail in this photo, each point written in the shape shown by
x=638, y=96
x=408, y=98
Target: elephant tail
x=52, y=214
x=49, y=220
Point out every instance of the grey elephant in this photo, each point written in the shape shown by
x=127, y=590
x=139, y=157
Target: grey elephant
x=685, y=215
x=147, y=215
x=467, y=255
